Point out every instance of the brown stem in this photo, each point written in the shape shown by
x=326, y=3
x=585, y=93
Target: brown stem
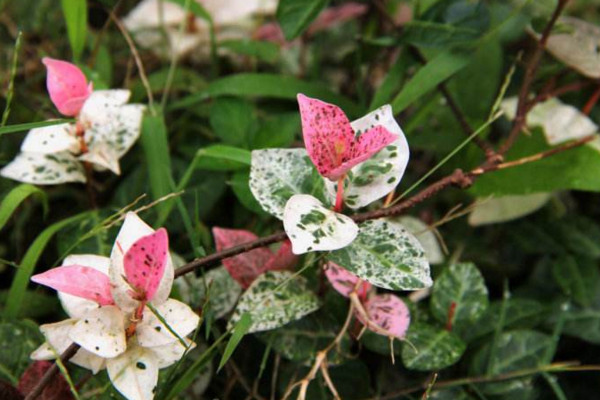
x=589, y=105
x=49, y=374
x=530, y=72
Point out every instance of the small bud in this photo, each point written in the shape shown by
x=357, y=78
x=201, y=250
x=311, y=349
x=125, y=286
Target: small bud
x=67, y=86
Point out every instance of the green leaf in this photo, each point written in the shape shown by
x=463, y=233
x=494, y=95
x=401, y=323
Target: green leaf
x=513, y=351
x=301, y=340
x=295, y=16
x=19, y=284
x=278, y=130
x=241, y=328
x=463, y=286
x=158, y=160
x=386, y=255
x=18, y=195
x=436, y=71
x=264, y=51
x=220, y=157
x=274, y=299
x=520, y=313
x=231, y=120
x=433, y=349
x=573, y=169
x=278, y=174
x=75, y=12
x=268, y=85
x=36, y=304
x=14, y=354
x=31, y=125
x=583, y=323
x=577, y=277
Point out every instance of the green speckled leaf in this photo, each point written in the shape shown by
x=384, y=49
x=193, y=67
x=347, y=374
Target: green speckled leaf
x=44, y=169
x=385, y=254
x=426, y=237
x=278, y=174
x=17, y=341
x=463, y=285
x=275, y=299
x=433, y=349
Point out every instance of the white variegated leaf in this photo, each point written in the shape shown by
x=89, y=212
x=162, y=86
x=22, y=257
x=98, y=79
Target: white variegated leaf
x=425, y=236
x=274, y=299
x=104, y=156
x=379, y=175
x=51, y=139
x=278, y=174
x=169, y=354
x=576, y=43
x=101, y=332
x=134, y=228
x=223, y=293
x=44, y=169
x=560, y=122
x=134, y=373
x=388, y=256
x=77, y=307
x=179, y=318
x=312, y=227
x=506, y=208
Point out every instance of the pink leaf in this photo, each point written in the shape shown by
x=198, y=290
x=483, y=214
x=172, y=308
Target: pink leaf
x=336, y=15
x=245, y=267
x=344, y=281
x=80, y=281
x=145, y=263
x=67, y=86
x=388, y=315
x=330, y=140
x=283, y=259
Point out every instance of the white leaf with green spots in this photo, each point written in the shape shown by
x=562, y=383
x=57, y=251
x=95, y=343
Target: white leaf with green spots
x=223, y=291
x=463, y=286
x=379, y=175
x=44, y=169
x=274, y=299
x=278, y=174
x=431, y=348
x=388, y=256
x=426, y=237
x=312, y=227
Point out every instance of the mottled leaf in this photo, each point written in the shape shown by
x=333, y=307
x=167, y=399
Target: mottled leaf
x=433, y=349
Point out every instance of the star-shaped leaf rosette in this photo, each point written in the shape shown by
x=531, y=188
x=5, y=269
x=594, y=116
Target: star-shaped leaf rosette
x=105, y=129
x=119, y=311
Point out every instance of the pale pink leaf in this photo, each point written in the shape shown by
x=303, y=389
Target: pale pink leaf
x=245, y=267
x=145, y=263
x=388, y=315
x=328, y=136
x=80, y=281
x=344, y=281
x=283, y=259
x=333, y=16
x=67, y=86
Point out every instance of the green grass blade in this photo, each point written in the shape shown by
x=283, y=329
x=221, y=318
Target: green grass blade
x=21, y=279
x=31, y=125
x=16, y=196
x=240, y=329
x=75, y=12
x=11, y=83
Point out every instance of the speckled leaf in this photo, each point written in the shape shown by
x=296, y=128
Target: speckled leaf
x=576, y=44
x=278, y=174
x=434, y=348
x=51, y=139
x=332, y=143
x=462, y=285
x=385, y=254
x=344, y=281
x=101, y=332
x=223, y=291
x=312, y=227
x=134, y=373
x=381, y=173
x=144, y=264
x=44, y=169
x=425, y=236
x=179, y=318
x=274, y=299
x=388, y=315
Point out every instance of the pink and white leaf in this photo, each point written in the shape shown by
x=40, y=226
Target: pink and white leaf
x=344, y=281
x=67, y=86
x=145, y=264
x=245, y=267
x=388, y=315
x=77, y=280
